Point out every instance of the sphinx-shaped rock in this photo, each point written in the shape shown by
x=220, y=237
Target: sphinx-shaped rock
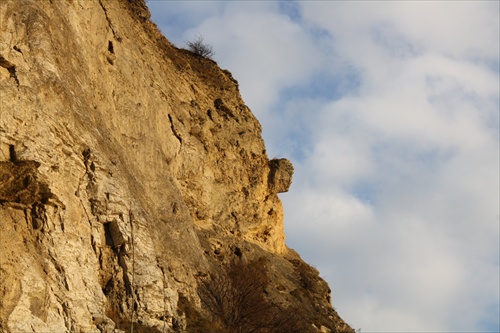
x=280, y=175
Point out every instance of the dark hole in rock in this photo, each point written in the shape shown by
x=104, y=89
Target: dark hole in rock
x=110, y=47
x=12, y=153
x=107, y=233
x=109, y=286
x=26, y=181
x=237, y=252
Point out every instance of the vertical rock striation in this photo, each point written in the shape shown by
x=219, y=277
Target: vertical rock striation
x=129, y=170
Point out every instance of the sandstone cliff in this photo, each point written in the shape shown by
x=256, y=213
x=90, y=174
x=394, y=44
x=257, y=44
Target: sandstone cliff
x=130, y=172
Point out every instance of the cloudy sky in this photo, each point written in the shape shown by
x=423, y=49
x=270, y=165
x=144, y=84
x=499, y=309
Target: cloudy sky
x=389, y=112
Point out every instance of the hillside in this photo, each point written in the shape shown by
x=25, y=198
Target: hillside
x=134, y=183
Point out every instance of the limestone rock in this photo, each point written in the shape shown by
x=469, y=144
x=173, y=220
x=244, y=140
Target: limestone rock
x=280, y=175
x=129, y=170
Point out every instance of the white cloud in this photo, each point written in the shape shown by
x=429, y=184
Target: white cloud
x=459, y=28
x=389, y=111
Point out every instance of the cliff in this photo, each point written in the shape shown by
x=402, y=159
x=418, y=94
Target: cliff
x=132, y=178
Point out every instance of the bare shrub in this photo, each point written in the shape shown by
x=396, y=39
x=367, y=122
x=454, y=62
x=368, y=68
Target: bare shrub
x=200, y=48
x=236, y=299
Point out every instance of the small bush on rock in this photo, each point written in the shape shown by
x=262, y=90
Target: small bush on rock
x=200, y=48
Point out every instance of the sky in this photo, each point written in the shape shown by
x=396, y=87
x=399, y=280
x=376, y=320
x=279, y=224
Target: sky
x=389, y=112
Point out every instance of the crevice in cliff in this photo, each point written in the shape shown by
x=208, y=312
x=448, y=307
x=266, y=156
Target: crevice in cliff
x=10, y=67
x=111, y=57
x=108, y=20
x=113, y=236
x=90, y=187
x=12, y=153
x=111, y=49
x=174, y=131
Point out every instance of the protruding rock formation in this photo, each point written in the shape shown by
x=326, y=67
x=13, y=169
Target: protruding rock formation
x=280, y=175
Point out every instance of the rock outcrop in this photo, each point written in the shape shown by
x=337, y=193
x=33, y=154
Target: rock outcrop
x=280, y=175
x=130, y=170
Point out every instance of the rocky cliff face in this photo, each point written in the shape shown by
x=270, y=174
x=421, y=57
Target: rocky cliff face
x=130, y=171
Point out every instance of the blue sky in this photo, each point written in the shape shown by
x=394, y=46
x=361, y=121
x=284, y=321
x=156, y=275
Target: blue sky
x=389, y=112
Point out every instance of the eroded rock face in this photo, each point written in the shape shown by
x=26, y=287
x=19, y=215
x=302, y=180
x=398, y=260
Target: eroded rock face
x=280, y=175
x=128, y=170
